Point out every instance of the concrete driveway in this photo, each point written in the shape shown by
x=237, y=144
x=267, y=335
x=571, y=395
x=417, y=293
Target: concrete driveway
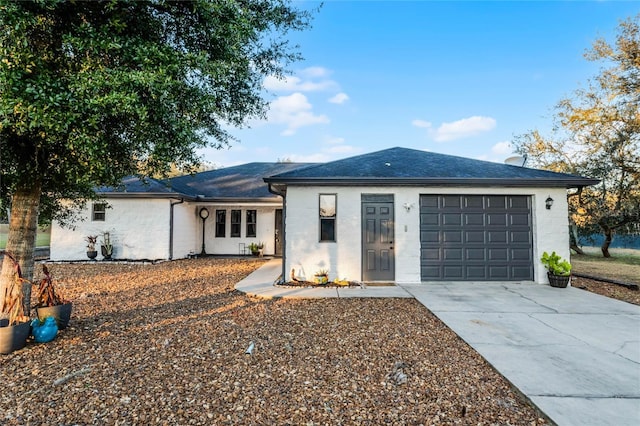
x=575, y=354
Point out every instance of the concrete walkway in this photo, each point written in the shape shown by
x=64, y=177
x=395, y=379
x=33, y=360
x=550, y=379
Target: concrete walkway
x=574, y=354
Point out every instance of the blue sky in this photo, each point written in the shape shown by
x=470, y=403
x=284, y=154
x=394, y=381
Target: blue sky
x=460, y=78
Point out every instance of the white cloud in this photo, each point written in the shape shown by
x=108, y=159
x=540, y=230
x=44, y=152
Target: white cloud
x=311, y=158
x=463, y=128
x=314, y=72
x=313, y=79
x=294, y=111
x=333, y=140
x=421, y=123
x=502, y=148
x=340, y=98
x=342, y=149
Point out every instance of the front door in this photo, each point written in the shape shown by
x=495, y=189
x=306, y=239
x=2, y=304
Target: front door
x=378, y=262
x=278, y=233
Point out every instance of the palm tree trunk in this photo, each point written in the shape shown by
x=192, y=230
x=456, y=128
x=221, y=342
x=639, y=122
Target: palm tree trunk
x=23, y=225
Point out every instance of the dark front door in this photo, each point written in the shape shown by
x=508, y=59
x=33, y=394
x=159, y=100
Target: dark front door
x=278, y=233
x=378, y=263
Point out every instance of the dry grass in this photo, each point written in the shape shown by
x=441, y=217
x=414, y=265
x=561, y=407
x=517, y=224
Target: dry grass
x=624, y=265
x=165, y=344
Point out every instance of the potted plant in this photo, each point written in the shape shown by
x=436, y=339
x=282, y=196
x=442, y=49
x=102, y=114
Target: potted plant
x=321, y=276
x=91, y=246
x=51, y=303
x=106, y=248
x=14, y=325
x=257, y=249
x=558, y=269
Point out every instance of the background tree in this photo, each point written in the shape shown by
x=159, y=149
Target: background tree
x=597, y=134
x=93, y=91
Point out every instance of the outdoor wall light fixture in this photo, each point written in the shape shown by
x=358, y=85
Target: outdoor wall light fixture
x=548, y=202
x=204, y=214
x=408, y=206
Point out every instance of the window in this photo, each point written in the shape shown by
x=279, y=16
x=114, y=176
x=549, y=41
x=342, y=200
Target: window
x=221, y=222
x=328, y=217
x=98, y=212
x=236, y=222
x=251, y=223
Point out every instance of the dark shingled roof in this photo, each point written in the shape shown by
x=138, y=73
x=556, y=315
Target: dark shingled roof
x=403, y=166
x=135, y=185
x=244, y=182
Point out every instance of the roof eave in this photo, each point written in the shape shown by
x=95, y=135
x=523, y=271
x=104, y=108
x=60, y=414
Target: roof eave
x=482, y=182
x=147, y=195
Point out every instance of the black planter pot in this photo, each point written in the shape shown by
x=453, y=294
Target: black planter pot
x=14, y=337
x=560, y=281
x=92, y=254
x=106, y=254
x=62, y=314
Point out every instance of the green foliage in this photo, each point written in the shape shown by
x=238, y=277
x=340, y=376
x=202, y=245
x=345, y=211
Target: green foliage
x=555, y=264
x=597, y=134
x=255, y=247
x=93, y=91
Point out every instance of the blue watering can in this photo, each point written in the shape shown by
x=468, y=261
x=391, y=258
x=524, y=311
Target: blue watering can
x=44, y=331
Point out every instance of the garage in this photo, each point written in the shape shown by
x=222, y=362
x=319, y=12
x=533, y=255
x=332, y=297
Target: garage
x=476, y=238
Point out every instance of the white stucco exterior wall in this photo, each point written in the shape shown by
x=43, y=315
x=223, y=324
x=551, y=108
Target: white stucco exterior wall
x=306, y=254
x=139, y=229
x=265, y=228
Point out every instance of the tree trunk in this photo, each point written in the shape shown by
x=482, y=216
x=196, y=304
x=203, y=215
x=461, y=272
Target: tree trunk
x=608, y=237
x=573, y=239
x=25, y=206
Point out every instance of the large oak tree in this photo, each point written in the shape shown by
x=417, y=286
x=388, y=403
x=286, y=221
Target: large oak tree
x=93, y=91
x=597, y=134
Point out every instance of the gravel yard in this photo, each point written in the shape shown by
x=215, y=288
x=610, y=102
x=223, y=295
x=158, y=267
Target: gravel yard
x=165, y=344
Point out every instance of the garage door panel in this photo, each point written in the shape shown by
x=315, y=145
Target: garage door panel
x=452, y=254
x=496, y=219
x=430, y=236
x=451, y=202
x=520, y=237
x=522, y=254
x=519, y=219
x=475, y=254
x=429, y=201
x=521, y=272
x=519, y=202
x=430, y=219
x=453, y=272
x=473, y=202
x=495, y=202
x=499, y=254
x=499, y=272
x=452, y=236
x=431, y=253
x=497, y=237
x=476, y=237
x=452, y=219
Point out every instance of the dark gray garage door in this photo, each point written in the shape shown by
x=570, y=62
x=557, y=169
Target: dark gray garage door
x=476, y=237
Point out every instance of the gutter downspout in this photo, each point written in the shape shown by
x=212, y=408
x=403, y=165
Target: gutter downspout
x=171, y=204
x=283, y=194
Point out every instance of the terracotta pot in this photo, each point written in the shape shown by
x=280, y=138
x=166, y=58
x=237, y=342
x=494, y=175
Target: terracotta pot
x=61, y=313
x=14, y=337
